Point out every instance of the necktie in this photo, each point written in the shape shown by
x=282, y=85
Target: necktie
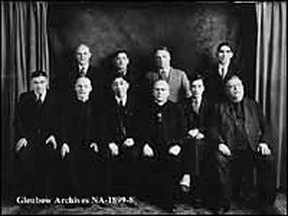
x=222, y=73
x=82, y=72
x=163, y=75
x=195, y=105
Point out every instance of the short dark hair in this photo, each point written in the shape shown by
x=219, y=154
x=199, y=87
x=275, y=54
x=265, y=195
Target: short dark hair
x=38, y=73
x=117, y=75
x=197, y=76
x=120, y=51
x=162, y=48
x=224, y=43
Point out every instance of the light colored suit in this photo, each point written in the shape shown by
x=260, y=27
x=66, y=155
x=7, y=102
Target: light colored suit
x=178, y=82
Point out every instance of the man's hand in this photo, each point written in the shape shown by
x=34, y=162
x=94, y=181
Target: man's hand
x=94, y=146
x=174, y=150
x=148, y=151
x=114, y=149
x=128, y=142
x=21, y=143
x=193, y=132
x=264, y=149
x=51, y=139
x=185, y=183
x=200, y=136
x=224, y=149
x=64, y=150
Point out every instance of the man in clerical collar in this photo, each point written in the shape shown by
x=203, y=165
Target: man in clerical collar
x=243, y=140
x=80, y=141
x=163, y=134
x=177, y=79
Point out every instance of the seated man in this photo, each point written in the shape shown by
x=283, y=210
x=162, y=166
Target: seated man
x=198, y=112
x=120, y=135
x=162, y=141
x=81, y=146
x=242, y=138
x=36, y=130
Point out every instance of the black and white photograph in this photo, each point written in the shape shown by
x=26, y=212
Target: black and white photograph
x=143, y=107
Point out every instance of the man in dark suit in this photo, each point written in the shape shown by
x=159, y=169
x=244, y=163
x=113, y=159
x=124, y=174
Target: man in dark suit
x=219, y=73
x=120, y=136
x=177, y=79
x=243, y=142
x=198, y=113
x=36, y=131
x=162, y=141
x=80, y=142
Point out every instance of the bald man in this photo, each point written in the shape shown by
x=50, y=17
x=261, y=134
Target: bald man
x=162, y=143
x=79, y=136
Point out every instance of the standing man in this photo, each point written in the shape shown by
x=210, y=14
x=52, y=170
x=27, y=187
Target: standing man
x=177, y=79
x=80, y=142
x=36, y=131
x=243, y=142
x=221, y=71
x=162, y=141
x=120, y=135
x=198, y=113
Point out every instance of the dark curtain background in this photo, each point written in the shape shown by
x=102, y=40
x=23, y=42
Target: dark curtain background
x=271, y=75
x=24, y=48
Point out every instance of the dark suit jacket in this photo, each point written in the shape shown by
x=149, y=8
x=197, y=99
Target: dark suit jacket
x=113, y=116
x=215, y=89
x=178, y=82
x=78, y=125
x=199, y=120
x=34, y=122
x=256, y=127
x=162, y=128
x=202, y=122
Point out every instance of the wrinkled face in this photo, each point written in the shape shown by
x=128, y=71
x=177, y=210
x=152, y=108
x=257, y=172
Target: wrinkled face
x=120, y=87
x=121, y=61
x=224, y=54
x=39, y=84
x=162, y=59
x=235, y=89
x=197, y=88
x=161, y=91
x=83, y=55
x=83, y=87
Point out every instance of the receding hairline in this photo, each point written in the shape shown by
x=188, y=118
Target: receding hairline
x=83, y=78
x=161, y=81
x=233, y=78
x=83, y=45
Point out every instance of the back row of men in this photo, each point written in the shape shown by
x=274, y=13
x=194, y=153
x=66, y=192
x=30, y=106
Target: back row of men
x=151, y=140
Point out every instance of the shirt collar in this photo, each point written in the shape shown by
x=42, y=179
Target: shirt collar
x=124, y=100
x=43, y=96
x=83, y=66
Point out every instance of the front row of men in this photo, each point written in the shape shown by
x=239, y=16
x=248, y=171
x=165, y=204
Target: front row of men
x=115, y=147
